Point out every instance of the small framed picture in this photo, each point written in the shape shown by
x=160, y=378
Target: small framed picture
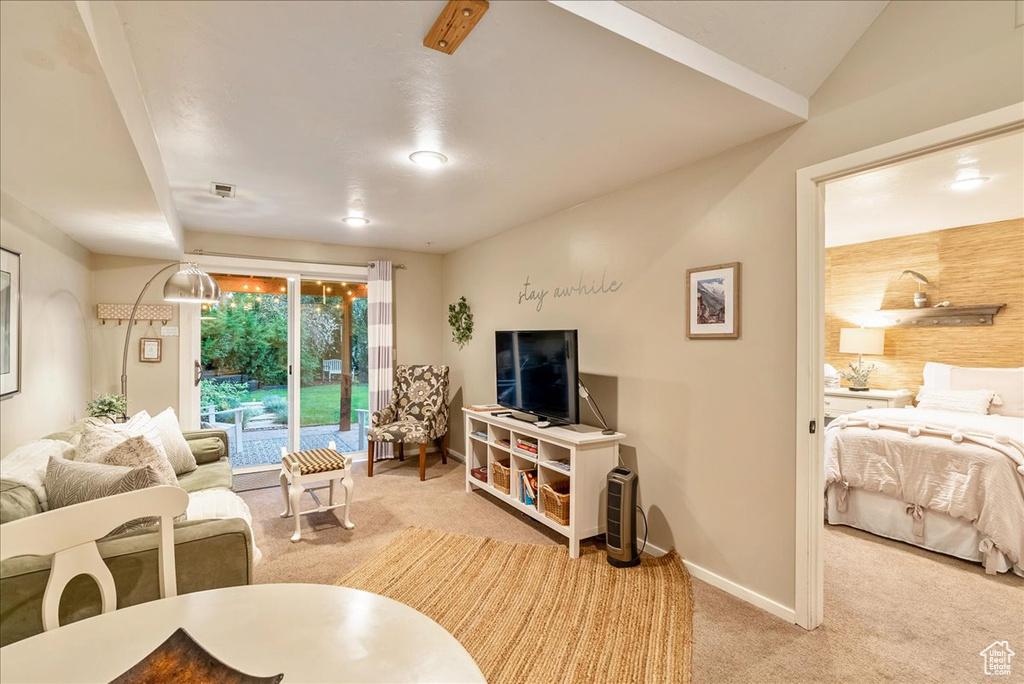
x=713, y=302
x=151, y=349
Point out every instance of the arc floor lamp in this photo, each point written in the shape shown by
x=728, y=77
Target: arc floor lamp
x=187, y=285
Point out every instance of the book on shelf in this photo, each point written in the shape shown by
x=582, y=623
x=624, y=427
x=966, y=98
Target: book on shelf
x=484, y=408
x=562, y=464
x=528, y=487
x=503, y=442
x=479, y=435
x=525, y=444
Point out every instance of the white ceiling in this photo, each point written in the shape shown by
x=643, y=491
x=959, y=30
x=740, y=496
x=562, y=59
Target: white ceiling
x=312, y=109
x=796, y=44
x=915, y=196
x=66, y=151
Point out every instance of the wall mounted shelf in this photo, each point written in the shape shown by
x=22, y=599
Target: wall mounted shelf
x=943, y=316
x=122, y=312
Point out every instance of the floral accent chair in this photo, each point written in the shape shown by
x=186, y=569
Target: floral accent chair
x=417, y=414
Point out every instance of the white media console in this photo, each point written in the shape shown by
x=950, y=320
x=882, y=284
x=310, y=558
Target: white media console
x=590, y=455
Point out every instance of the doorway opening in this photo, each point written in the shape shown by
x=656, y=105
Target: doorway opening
x=811, y=329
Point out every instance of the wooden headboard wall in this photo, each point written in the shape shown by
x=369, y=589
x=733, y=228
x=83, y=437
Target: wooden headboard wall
x=981, y=264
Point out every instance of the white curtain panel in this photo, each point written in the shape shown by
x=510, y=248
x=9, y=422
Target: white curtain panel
x=380, y=342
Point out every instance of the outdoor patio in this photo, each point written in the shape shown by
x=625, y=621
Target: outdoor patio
x=263, y=447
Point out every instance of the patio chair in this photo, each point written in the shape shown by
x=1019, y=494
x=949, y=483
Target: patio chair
x=417, y=414
x=331, y=368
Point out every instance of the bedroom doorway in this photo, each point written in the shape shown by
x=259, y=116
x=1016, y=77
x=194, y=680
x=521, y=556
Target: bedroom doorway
x=812, y=183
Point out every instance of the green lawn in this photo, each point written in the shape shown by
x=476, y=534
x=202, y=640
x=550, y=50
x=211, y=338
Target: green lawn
x=320, y=403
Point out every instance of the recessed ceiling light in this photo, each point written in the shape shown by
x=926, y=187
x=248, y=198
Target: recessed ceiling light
x=355, y=221
x=969, y=183
x=427, y=159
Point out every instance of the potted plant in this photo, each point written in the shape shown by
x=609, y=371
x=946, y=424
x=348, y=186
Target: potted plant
x=111, y=406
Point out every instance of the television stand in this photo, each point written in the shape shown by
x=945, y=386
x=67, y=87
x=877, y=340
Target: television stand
x=579, y=455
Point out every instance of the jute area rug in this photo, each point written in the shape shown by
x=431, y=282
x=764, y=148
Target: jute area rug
x=529, y=613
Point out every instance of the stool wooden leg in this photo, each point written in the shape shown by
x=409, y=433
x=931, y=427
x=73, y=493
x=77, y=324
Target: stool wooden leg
x=284, y=491
x=294, y=492
x=349, y=486
x=369, y=458
x=423, y=462
x=330, y=499
x=401, y=451
x=444, y=448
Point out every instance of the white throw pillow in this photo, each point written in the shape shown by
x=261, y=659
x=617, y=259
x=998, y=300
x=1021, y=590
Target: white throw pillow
x=175, y=444
x=27, y=464
x=142, y=424
x=964, y=401
x=209, y=504
x=1007, y=383
x=101, y=444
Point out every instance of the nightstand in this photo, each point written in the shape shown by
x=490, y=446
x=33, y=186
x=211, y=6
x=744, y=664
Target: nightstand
x=842, y=400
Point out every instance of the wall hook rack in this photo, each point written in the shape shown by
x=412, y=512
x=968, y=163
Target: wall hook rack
x=146, y=312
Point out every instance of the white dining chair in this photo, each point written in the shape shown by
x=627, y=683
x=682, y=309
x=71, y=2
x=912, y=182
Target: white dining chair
x=69, y=535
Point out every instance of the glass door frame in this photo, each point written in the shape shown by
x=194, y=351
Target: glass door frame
x=189, y=361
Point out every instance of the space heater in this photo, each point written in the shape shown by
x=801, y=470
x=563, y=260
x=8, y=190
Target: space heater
x=620, y=538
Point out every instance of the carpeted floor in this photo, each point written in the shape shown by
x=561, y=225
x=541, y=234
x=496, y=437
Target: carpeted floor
x=490, y=594
x=893, y=613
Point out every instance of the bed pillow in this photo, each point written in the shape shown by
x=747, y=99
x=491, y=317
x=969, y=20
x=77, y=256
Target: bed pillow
x=1007, y=383
x=178, y=451
x=26, y=465
x=71, y=482
x=964, y=401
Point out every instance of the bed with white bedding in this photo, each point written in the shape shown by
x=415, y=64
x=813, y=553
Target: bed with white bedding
x=947, y=481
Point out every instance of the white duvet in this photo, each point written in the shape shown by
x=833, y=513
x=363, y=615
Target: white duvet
x=968, y=466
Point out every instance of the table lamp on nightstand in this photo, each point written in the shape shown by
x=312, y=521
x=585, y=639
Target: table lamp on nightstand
x=860, y=341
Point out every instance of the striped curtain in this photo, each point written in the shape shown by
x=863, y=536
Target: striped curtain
x=380, y=342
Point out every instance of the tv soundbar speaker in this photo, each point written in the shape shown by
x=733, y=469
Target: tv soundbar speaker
x=620, y=538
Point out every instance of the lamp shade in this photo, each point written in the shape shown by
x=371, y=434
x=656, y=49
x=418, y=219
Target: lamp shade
x=191, y=285
x=862, y=341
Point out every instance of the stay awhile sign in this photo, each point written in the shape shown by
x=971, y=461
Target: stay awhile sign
x=531, y=294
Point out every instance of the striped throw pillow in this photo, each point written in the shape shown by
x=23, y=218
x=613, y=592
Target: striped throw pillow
x=72, y=482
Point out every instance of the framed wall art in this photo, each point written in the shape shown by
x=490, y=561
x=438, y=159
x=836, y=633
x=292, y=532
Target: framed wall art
x=713, y=302
x=151, y=349
x=10, y=323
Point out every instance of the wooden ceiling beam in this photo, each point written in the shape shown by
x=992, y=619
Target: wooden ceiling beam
x=454, y=23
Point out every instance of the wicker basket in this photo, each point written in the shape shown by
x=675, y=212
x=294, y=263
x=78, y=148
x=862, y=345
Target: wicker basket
x=556, y=501
x=500, y=476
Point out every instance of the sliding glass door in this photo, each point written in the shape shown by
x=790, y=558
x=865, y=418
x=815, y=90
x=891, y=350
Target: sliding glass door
x=281, y=362
x=333, y=393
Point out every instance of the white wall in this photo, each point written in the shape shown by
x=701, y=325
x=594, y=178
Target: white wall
x=56, y=312
x=711, y=423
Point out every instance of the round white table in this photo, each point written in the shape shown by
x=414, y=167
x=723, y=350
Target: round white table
x=309, y=632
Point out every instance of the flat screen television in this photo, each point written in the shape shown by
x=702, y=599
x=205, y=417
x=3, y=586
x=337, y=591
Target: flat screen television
x=537, y=373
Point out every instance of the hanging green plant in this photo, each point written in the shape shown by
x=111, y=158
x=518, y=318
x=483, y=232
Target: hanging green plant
x=461, y=320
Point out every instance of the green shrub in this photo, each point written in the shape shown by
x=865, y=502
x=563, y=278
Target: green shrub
x=277, y=405
x=222, y=395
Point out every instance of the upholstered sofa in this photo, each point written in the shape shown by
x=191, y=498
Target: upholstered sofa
x=209, y=553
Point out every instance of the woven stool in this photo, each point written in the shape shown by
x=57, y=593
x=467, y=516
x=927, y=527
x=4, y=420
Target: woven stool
x=307, y=467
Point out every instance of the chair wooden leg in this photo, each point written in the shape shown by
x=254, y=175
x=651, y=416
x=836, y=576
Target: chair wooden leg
x=401, y=451
x=369, y=458
x=423, y=462
x=444, y=449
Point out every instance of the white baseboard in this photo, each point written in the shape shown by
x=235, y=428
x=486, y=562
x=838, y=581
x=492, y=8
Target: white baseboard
x=730, y=587
x=461, y=458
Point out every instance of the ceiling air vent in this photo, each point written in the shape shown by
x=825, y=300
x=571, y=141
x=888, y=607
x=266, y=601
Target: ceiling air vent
x=222, y=190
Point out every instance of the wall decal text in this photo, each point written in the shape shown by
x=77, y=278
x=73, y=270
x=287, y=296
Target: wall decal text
x=532, y=294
